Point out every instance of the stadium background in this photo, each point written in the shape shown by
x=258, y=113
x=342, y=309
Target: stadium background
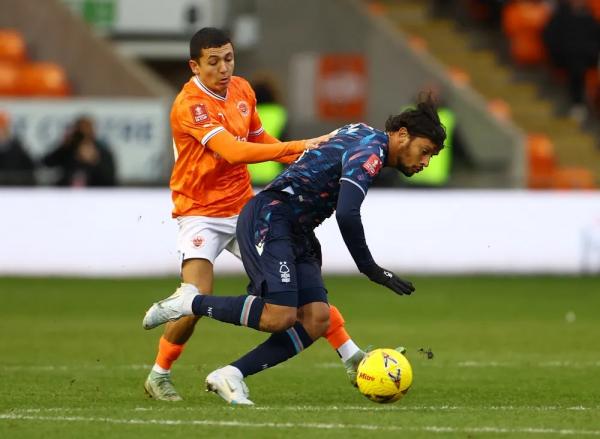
x=505, y=254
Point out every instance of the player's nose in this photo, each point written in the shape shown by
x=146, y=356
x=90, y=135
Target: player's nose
x=223, y=67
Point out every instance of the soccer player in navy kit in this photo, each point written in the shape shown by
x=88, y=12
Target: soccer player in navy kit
x=282, y=256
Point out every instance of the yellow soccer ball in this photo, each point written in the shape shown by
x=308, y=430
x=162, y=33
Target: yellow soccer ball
x=384, y=375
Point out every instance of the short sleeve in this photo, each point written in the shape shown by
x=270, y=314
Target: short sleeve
x=197, y=120
x=256, y=127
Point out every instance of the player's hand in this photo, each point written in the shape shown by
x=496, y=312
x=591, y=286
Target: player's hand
x=388, y=279
x=315, y=142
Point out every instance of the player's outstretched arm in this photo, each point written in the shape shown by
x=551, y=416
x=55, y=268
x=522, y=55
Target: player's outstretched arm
x=236, y=152
x=313, y=143
x=310, y=144
x=348, y=217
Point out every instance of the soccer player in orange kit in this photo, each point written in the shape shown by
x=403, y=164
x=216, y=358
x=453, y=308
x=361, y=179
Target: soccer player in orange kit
x=216, y=132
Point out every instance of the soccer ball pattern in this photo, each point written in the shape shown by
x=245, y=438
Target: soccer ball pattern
x=384, y=375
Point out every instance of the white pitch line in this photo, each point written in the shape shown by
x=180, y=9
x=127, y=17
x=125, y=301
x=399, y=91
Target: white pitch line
x=485, y=364
x=64, y=368
x=426, y=408
x=291, y=425
x=322, y=365
x=307, y=408
x=557, y=364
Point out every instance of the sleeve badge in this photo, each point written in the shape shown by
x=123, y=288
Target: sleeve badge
x=372, y=165
x=199, y=113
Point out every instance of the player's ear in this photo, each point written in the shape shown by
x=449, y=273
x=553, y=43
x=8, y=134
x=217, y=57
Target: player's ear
x=194, y=67
x=403, y=136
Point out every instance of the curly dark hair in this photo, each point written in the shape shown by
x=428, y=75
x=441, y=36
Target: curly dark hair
x=420, y=121
x=205, y=38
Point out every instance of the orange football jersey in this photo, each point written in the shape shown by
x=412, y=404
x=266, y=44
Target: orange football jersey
x=210, y=177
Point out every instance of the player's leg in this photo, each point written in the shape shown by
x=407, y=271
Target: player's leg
x=313, y=316
x=200, y=273
x=200, y=240
x=271, y=305
x=262, y=236
x=158, y=385
x=252, y=311
x=228, y=381
x=340, y=340
x=272, y=270
x=336, y=334
x=312, y=322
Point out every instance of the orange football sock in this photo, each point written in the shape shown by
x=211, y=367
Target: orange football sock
x=167, y=353
x=336, y=334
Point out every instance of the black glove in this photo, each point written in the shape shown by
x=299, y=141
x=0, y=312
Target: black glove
x=388, y=279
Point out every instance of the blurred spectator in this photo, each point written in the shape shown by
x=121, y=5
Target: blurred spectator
x=82, y=158
x=572, y=37
x=273, y=116
x=16, y=167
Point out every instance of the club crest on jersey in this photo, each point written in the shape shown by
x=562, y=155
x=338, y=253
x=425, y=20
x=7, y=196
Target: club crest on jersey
x=197, y=241
x=199, y=113
x=243, y=107
x=372, y=165
x=284, y=271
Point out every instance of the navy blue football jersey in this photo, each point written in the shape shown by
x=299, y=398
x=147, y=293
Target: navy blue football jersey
x=356, y=153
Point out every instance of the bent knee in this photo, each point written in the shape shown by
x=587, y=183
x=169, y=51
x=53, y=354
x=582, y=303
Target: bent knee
x=277, y=318
x=319, y=328
x=282, y=322
x=316, y=322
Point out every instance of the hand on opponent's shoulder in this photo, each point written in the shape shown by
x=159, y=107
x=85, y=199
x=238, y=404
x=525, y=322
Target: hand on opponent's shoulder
x=316, y=141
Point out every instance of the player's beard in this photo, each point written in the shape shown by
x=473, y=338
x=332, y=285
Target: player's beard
x=407, y=172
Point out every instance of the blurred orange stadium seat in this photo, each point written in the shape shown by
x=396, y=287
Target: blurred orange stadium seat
x=376, y=8
x=523, y=22
x=573, y=178
x=417, y=43
x=500, y=109
x=12, y=46
x=527, y=50
x=9, y=76
x=43, y=79
x=459, y=76
x=541, y=161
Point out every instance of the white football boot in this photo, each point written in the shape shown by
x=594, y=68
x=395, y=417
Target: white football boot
x=228, y=383
x=174, y=307
x=160, y=387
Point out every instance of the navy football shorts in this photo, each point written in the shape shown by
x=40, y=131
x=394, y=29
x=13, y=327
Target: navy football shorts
x=283, y=264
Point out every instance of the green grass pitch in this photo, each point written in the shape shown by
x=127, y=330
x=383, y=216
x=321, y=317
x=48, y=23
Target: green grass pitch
x=514, y=357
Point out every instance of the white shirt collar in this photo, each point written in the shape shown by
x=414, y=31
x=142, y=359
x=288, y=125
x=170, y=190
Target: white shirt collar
x=208, y=91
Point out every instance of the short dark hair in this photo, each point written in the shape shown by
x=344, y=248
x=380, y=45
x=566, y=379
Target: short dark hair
x=205, y=38
x=420, y=121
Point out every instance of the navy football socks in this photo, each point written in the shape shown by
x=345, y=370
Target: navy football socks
x=278, y=348
x=238, y=310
